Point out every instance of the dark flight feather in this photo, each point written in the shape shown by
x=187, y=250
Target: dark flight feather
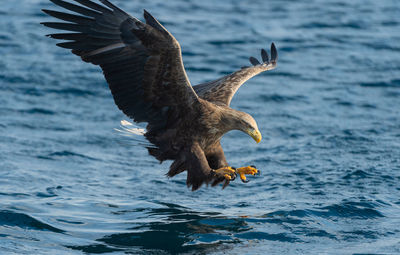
x=254, y=61
x=94, y=6
x=70, y=17
x=264, y=55
x=274, y=53
x=75, y=8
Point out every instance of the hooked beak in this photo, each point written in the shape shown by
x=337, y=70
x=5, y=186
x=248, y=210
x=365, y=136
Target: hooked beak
x=255, y=134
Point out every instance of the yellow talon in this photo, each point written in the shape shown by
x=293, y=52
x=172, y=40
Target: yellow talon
x=242, y=171
x=228, y=173
x=225, y=171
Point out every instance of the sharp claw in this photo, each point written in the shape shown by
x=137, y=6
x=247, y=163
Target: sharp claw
x=245, y=181
x=258, y=172
x=253, y=166
x=225, y=184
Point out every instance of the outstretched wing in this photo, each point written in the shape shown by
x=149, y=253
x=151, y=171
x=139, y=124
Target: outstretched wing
x=142, y=62
x=221, y=91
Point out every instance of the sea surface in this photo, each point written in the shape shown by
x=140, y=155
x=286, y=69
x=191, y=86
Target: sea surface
x=329, y=115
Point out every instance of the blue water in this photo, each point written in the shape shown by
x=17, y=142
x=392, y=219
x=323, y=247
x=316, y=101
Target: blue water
x=329, y=114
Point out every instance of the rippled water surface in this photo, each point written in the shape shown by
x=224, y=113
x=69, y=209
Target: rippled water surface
x=330, y=116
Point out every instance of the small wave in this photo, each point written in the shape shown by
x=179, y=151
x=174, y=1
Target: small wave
x=72, y=91
x=15, y=195
x=37, y=111
x=281, y=98
x=10, y=45
x=361, y=210
x=285, y=74
x=70, y=222
x=345, y=103
x=286, y=216
x=228, y=42
x=5, y=37
x=355, y=235
x=390, y=84
x=65, y=154
x=318, y=25
x=358, y=174
x=381, y=46
x=390, y=23
x=190, y=54
x=94, y=249
x=10, y=218
x=50, y=192
x=281, y=237
x=14, y=79
x=200, y=69
x=369, y=106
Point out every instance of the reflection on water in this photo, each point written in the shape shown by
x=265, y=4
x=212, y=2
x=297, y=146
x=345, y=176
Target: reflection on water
x=179, y=230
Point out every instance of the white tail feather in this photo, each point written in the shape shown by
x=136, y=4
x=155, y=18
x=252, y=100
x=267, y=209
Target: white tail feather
x=129, y=129
x=136, y=134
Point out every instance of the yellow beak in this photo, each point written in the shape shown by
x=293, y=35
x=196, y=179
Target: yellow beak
x=255, y=134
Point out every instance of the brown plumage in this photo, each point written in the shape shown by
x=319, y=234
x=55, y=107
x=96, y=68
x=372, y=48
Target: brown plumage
x=143, y=66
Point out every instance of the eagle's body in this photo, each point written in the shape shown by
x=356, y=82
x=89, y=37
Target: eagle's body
x=143, y=66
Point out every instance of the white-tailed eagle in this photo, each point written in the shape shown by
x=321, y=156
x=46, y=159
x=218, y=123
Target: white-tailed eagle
x=143, y=66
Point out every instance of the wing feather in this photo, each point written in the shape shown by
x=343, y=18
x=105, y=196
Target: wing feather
x=141, y=62
x=222, y=90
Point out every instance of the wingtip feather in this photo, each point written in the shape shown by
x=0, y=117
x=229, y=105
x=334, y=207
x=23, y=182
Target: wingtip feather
x=254, y=61
x=264, y=56
x=274, y=53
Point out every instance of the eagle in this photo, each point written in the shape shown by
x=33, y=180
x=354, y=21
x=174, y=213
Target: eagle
x=142, y=63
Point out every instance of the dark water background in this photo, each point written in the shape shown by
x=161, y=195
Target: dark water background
x=330, y=116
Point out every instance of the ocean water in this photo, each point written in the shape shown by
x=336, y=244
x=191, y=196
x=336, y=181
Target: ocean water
x=329, y=114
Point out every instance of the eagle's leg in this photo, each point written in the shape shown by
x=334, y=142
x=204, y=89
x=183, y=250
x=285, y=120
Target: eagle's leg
x=242, y=171
x=217, y=161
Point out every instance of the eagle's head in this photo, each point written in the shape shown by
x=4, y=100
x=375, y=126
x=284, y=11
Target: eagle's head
x=248, y=125
x=237, y=120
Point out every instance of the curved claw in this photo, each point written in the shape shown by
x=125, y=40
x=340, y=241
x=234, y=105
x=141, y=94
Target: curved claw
x=225, y=184
x=248, y=170
x=245, y=180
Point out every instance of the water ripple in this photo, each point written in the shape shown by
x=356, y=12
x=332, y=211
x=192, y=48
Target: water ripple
x=24, y=221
